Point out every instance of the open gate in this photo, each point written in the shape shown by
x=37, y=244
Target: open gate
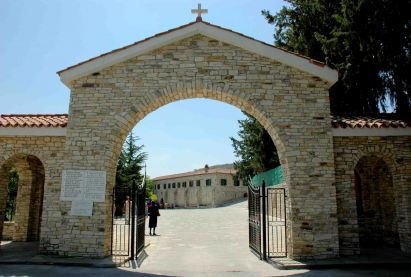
x=276, y=223
x=121, y=221
x=140, y=217
x=255, y=235
x=267, y=221
x=128, y=221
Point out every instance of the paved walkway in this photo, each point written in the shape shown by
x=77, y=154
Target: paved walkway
x=192, y=241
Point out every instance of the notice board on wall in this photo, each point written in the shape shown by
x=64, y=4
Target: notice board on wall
x=83, y=187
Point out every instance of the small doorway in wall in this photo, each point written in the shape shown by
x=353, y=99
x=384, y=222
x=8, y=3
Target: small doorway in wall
x=376, y=204
x=21, y=203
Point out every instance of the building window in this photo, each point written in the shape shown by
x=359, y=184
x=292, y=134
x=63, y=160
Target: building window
x=223, y=182
x=191, y=183
x=178, y=185
x=236, y=181
x=169, y=185
x=208, y=182
x=184, y=184
x=198, y=183
x=174, y=185
x=164, y=186
x=158, y=186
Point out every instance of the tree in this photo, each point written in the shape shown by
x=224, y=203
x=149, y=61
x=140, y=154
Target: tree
x=255, y=149
x=129, y=166
x=12, y=188
x=134, y=159
x=150, y=189
x=367, y=41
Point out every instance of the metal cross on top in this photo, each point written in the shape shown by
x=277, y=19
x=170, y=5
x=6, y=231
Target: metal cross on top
x=199, y=11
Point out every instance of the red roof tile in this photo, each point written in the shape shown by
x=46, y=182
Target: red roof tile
x=337, y=121
x=377, y=121
x=33, y=120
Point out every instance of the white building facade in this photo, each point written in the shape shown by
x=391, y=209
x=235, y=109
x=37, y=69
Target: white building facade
x=207, y=187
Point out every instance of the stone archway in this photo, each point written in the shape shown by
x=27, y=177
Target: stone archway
x=289, y=99
x=350, y=152
x=25, y=225
x=376, y=203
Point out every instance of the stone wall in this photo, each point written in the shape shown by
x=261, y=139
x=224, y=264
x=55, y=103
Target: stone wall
x=376, y=209
x=8, y=230
x=292, y=105
x=199, y=196
x=39, y=163
x=29, y=197
x=384, y=165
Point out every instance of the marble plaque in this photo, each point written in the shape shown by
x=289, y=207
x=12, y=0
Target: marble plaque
x=83, y=184
x=81, y=207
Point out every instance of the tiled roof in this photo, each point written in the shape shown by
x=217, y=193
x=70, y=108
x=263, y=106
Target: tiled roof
x=377, y=121
x=33, y=120
x=198, y=172
x=337, y=121
x=318, y=63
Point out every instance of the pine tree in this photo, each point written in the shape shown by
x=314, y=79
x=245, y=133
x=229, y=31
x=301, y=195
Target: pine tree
x=255, y=149
x=367, y=41
x=129, y=167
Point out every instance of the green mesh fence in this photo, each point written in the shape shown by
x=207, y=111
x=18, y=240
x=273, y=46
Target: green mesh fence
x=271, y=177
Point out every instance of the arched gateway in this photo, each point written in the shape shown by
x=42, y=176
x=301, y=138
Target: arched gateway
x=287, y=93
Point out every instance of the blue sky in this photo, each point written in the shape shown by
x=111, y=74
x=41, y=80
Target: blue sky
x=38, y=38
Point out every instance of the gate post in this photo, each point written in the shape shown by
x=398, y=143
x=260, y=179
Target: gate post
x=133, y=213
x=113, y=200
x=264, y=213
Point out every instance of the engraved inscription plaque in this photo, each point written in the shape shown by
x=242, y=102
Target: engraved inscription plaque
x=81, y=207
x=83, y=184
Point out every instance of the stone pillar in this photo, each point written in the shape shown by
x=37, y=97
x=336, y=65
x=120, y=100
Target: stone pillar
x=23, y=200
x=4, y=175
x=36, y=199
x=312, y=209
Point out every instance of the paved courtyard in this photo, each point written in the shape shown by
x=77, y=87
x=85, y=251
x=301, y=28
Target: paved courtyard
x=195, y=242
x=202, y=240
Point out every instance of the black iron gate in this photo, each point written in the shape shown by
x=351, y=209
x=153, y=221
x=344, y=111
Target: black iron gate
x=255, y=217
x=121, y=221
x=276, y=223
x=267, y=221
x=128, y=220
x=140, y=217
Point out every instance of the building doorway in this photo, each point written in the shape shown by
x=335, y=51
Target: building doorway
x=376, y=204
x=22, y=189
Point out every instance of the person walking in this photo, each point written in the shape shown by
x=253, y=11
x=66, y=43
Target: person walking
x=126, y=210
x=153, y=213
